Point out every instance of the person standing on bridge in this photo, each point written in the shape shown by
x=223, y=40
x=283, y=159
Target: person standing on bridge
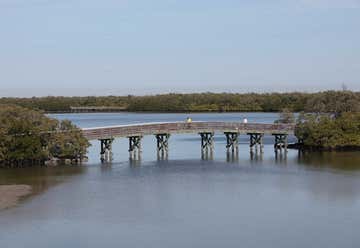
x=188, y=120
x=245, y=121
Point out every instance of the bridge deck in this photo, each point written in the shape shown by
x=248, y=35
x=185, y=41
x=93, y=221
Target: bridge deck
x=183, y=127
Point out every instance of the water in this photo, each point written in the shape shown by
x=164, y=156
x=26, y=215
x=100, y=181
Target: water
x=306, y=200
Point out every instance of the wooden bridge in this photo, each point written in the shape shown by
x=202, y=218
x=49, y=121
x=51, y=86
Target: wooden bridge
x=206, y=130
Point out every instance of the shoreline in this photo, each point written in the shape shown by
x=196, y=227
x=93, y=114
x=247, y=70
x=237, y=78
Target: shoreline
x=158, y=112
x=10, y=195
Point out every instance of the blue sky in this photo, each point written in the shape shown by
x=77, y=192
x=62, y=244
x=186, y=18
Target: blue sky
x=87, y=47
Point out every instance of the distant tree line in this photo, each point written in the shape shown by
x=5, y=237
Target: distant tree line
x=29, y=137
x=329, y=120
x=321, y=102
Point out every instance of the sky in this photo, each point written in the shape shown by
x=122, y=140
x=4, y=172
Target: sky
x=121, y=47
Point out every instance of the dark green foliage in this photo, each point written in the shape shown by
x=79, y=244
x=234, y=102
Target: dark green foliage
x=28, y=135
x=63, y=104
x=326, y=131
x=335, y=102
x=68, y=142
x=329, y=102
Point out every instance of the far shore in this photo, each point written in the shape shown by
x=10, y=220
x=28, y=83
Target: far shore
x=11, y=194
x=159, y=112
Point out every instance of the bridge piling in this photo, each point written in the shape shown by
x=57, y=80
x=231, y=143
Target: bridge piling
x=105, y=150
x=162, y=141
x=232, y=146
x=232, y=156
x=207, y=153
x=232, y=141
x=256, y=140
x=207, y=145
x=256, y=156
x=162, y=145
x=280, y=143
x=135, y=147
x=207, y=140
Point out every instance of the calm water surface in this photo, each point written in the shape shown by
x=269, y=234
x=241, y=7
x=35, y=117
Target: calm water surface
x=304, y=200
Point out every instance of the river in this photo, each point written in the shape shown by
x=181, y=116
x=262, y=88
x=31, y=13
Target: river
x=302, y=200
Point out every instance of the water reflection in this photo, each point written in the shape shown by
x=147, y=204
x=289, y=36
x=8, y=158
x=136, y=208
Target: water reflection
x=159, y=201
x=107, y=167
x=134, y=162
x=162, y=155
x=232, y=156
x=40, y=178
x=107, y=157
x=135, y=155
x=281, y=158
x=110, y=204
x=256, y=156
x=345, y=161
x=207, y=153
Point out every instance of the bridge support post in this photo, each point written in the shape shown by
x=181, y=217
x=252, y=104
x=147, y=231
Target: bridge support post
x=207, y=140
x=162, y=145
x=280, y=143
x=135, y=147
x=232, y=146
x=207, y=145
x=256, y=140
x=105, y=150
x=232, y=141
x=256, y=156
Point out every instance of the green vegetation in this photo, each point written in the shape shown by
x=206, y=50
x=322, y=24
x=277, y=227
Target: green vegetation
x=322, y=102
x=29, y=137
x=332, y=122
x=339, y=131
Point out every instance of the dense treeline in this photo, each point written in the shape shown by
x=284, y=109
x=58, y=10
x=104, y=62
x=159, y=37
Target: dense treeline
x=331, y=123
x=63, y=104
x=29, y=137
x=329, y=101
x=329, y=132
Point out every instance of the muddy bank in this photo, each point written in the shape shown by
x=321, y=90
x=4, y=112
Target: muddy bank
x=10, y=194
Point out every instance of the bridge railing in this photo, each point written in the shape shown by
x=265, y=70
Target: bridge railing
x=183, y=127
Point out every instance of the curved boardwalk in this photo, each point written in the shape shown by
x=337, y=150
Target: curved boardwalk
x=162, y=132
x=183, y=127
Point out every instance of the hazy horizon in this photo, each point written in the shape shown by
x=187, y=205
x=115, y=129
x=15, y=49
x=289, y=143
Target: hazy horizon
x=171, y=92
x=81, y=48
x=43, y=92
